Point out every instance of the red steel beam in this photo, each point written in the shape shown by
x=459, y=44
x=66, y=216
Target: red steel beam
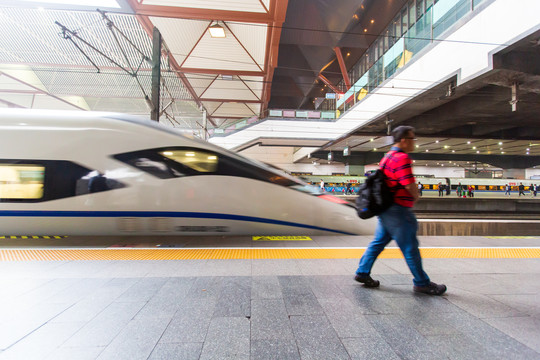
x=329, y=84
x=233, y=100
x=199, y=14
x=339, y=57
x=278, y=11
x=220, y=72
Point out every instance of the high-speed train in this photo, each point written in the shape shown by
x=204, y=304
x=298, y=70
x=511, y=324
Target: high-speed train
x=87, y=173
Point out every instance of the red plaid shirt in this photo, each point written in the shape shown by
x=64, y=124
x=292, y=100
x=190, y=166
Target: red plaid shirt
x=396, y=165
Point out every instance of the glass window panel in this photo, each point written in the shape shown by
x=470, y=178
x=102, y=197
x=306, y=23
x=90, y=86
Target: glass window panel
x=412, y=12
x=419, y=9
x=397, y=26
x=195, y=159
x=404, y=21
x=21, y=181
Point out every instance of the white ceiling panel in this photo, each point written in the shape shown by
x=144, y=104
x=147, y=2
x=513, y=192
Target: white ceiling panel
x=229, y=5
x=21, y=100
x=253, y=37
x=48, y=102
x=7, y=83
x=256, y=108
x=200, y=82
x=180, y=35
x=255, y=83
x=220, y=53
x=211, y=106
x=39, y=39
x=229, y=89
x=233, y=110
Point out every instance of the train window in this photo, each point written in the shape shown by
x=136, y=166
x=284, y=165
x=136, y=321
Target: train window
x=167, y=163
x=21, y=181
x=198, y=160
x=45, y=180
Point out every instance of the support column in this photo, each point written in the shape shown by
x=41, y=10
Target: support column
x=156, y=73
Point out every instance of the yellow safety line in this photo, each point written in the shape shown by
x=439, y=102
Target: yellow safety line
x=254, y=253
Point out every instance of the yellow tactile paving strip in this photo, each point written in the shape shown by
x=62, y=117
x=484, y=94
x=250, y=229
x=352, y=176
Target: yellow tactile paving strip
x=252, y=253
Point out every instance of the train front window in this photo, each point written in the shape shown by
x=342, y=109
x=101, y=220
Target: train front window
x=21, y=181
x=198, y=160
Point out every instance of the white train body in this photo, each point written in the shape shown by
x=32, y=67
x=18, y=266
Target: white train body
x=51, y=161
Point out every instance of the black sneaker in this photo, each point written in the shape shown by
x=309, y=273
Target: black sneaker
x=431, y=289
x=367, y=281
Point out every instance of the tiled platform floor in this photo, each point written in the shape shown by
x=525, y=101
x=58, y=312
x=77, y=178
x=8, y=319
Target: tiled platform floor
x=271, y=309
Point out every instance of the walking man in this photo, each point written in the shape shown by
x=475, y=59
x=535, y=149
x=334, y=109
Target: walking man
x=398, y=222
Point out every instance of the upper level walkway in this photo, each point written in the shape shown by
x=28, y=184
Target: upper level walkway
x=463, y=51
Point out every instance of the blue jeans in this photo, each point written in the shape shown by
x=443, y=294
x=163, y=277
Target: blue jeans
x=398, y=223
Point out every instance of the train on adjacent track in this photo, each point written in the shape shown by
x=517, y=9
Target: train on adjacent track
x=87, y=173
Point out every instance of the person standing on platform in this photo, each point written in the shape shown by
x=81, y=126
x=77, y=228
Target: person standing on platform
x=348, y=190
x=521, y=189
x=322, y=185
x=441, y=189
x=536, y=189
x=458, y=190
x=420, y=188
x=398, y=222
x=507, y=189
x=531, y=189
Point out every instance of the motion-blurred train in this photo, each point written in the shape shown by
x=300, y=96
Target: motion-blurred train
x=85, y=173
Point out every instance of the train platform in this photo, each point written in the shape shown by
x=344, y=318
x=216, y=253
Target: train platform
x=261, y=297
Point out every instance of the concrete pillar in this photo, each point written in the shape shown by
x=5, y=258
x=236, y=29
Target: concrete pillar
x=354, y=170
x=514, y=173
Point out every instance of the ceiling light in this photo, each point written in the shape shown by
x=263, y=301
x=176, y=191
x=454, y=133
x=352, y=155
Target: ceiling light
x=437, y=141
x=528, y=149
x=348, y=54
x=453, y=150
x=417, y=145
x=216, y=31
x=474, y=147
x=527, y=153
x=427, y=150
x=226, y=77
x=478, y=152
x=365, y=30
x=500, y=142
x=502, y=152
x=468, y=142
x=372, y=21
x=446, y=146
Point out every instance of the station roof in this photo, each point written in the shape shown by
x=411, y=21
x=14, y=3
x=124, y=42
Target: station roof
x=275, y=54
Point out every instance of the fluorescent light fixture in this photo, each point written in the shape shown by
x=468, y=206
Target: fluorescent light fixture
x=216, y=31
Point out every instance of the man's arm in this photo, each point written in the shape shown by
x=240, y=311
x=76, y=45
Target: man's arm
x=413, y=190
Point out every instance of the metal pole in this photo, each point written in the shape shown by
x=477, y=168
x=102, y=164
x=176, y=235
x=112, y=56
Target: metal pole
x=205, y=126
x=156, y=73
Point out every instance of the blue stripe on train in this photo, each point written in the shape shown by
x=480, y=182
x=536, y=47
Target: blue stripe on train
x=199, y=215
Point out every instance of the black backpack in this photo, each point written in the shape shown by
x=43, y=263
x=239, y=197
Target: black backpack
x=374, y=196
